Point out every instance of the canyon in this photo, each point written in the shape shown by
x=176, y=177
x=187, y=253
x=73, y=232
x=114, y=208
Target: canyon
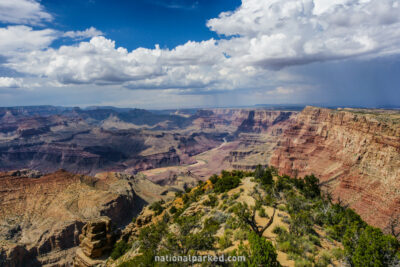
x=65, y=167
x=355, y=154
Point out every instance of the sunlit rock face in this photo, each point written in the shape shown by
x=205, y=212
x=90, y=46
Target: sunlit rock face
x=355, y=153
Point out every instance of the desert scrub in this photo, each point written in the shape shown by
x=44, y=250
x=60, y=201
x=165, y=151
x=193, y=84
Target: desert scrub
x=224, y=207
x=225, y=240
x=240, y=235
x=324, y=259
x=279, y=230
x=235, y=196
x=262, y=213
x=228, y=181
x=173, y=210
x=157, y=207
x=119, y=249
x=212, y=201
x=337, y=253
x=232, y=223
x=281, y=207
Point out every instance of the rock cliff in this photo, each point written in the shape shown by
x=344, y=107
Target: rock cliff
x=96, y=242
x=355, y=153
x=41, y=217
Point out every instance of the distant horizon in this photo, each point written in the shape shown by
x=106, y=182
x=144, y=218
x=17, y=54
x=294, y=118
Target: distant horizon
x=260, y=106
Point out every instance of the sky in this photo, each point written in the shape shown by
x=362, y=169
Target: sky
x=160, y=54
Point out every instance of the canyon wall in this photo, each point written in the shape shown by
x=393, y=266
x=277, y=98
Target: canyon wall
x=41, y=216
x=241, y=120
x=355, y=153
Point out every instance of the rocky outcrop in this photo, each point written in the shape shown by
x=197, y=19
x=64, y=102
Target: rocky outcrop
x=96, y=242
x=41, y=218
x=260, y=120
x=13, y=255
x=241, y=120
x=355, y=153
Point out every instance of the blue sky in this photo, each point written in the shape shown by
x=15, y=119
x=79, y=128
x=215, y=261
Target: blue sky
x=204, y=53
x=141, y=23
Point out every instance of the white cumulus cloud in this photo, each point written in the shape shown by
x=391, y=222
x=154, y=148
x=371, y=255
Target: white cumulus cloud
x=10, y=82
x=23, y=12
x=88, y=33
x=257, y=39
x=23, y=38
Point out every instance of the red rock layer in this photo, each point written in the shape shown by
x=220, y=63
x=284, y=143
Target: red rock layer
x=242, y=120
x=355, y=154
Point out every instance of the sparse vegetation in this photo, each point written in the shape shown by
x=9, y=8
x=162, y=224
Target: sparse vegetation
x=157, y=207
x=119, y=249
x=212, y=201
x=173, y=210
x=227, y=181
x=260, y=252
x=309, y=218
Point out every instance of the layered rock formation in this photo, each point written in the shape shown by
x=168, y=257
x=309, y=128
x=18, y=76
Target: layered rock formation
x=80, y=146
x=240, y=120
x=41, y=217
x=355, y=153
x=96, y=242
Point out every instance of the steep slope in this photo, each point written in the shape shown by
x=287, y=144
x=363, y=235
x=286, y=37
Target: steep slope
x=240, y=120
x=356, y=154
x=271, y=220
x=41, y=217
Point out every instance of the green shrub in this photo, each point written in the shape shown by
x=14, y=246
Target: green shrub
x=263, y=175
x=302, y=263
x=231, y=223
x=324, y=259
x=225, y=241
x=226, y=183
x=285, y=246
x=315, y=240
x=281, y=207
x=178, y=194
x=283, y=183
x=337, y=253
x=260, y=252
x=371, y=248
x=311, y=186
x=301, y=223
x=262, y=213
x=240, y=235
x=157, y=208
x=236, y=196
x=119, y=249
x=173, y=210
x=214, y=178
x=212, y=201
x=279, y=230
